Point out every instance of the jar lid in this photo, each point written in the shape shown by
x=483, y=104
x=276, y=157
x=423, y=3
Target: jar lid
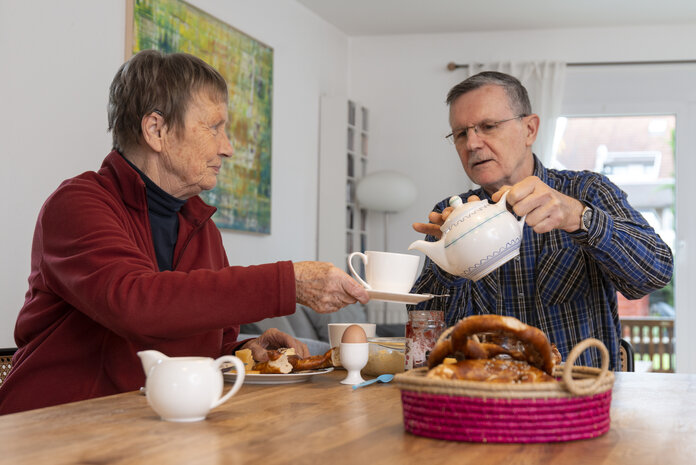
x=438, y=315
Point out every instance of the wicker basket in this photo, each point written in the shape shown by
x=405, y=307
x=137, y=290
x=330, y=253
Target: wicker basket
x=575, y=407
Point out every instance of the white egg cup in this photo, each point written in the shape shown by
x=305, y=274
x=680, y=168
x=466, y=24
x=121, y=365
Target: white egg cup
x=354, y=357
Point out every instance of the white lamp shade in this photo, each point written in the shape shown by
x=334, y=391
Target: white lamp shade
x=386, y=191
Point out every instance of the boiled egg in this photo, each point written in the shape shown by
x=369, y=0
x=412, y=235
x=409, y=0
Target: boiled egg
x=354, y=334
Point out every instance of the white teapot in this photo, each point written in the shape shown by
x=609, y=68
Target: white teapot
x=477, y=238
x=186, y=388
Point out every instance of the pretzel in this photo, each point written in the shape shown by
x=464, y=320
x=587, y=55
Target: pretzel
x=483, y=350
x=277, y=363
x=311, y=363
x=492, y=371
x=283, y=361
x=524, y=342
x=442, y=350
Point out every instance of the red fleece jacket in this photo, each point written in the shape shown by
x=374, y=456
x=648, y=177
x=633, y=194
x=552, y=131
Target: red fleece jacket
x=96, y=296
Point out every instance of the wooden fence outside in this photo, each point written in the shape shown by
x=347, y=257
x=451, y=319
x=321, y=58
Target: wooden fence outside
x=652, y=339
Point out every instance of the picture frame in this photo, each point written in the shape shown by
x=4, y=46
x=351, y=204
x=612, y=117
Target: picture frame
x=242, y=195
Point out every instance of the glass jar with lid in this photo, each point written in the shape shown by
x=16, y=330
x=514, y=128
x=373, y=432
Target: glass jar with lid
x=423, y=329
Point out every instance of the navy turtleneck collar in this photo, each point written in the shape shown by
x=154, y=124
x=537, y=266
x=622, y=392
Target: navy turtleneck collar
x=163, y=211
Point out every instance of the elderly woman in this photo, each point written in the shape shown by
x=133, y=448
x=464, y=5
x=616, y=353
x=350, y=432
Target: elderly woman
x=127, y=258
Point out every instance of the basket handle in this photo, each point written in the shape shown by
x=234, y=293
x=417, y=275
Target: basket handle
x=571, y=384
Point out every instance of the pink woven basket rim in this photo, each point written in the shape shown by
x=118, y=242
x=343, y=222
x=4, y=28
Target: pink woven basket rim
x=542, y=403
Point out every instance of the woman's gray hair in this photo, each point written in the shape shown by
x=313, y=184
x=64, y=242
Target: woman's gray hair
x=517, y=94
x=152, y=81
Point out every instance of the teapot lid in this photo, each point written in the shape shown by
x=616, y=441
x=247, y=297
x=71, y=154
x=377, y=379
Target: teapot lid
x=460, y=208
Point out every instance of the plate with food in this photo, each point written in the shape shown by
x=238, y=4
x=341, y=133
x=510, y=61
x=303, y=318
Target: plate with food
x=282, y=367
x=276, y=378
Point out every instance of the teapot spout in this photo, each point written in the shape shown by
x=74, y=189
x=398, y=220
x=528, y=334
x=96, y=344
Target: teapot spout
x=150, y=358
x=434, y=250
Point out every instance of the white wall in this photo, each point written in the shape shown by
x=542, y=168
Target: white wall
x=57, y=60
x=403, y=81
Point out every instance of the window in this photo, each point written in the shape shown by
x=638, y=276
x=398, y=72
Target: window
x=637, y=153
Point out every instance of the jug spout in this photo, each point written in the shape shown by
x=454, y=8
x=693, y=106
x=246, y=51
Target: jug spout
x=434, y=250
x=150, y=358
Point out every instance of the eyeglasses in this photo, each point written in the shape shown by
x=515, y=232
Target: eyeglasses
x=483, y=129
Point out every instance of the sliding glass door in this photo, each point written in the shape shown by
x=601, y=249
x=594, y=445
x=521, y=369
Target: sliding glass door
x=637, y=152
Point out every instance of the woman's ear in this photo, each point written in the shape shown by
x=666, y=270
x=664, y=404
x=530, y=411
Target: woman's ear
x=532, y=128
x=153, y=126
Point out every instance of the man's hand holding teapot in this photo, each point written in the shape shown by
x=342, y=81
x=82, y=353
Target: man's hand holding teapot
x=545, y=207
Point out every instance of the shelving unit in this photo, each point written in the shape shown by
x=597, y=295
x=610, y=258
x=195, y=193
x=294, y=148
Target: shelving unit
x=343, y=161
x=356, y=167
x=343, y=151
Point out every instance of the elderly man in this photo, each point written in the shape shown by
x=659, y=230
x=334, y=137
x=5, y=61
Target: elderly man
x=582, y=240
x=127, y=258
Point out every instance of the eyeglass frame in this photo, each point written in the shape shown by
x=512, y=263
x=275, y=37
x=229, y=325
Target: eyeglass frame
x=477, y=126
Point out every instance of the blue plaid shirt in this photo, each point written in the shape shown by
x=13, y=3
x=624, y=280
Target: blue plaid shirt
x=563, y=283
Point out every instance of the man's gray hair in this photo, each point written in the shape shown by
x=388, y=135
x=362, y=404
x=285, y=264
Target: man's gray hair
x=517, y=94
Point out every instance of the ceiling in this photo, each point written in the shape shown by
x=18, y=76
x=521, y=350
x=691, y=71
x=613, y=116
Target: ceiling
x=385, y=17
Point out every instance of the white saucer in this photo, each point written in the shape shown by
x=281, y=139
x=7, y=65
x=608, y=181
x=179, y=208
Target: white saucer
x=288, y=378
x=398, y=297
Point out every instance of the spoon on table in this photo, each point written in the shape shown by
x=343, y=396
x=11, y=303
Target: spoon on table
x=380, y=378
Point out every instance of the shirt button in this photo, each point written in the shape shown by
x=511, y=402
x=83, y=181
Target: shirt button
x=520, y=294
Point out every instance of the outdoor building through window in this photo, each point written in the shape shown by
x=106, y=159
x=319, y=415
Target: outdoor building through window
x=637, y=154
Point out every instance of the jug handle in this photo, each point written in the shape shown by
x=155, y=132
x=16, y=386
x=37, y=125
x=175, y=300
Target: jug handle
x=355, y=274
x=237, y=382
x=503, y=202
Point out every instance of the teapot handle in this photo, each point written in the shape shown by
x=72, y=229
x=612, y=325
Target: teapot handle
x=237, y=382
x=504, y=204
x=355, y=274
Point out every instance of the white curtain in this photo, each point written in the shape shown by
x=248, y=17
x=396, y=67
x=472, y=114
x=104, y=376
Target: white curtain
x=544, y=82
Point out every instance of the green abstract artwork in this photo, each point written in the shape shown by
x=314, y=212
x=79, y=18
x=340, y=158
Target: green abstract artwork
x=243, y=192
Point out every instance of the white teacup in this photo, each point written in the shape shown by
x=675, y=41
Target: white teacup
x=186, y=388
x=386, y=271
x=336, y=331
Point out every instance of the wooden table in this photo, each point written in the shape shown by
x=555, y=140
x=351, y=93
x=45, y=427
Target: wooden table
x=324, y=422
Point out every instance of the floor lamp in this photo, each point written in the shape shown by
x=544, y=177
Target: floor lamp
x=385, y=192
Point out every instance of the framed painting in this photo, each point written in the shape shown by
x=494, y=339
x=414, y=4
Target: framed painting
x=243, y=192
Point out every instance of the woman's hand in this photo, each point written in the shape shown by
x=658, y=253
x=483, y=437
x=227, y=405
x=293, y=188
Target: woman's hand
x=325, y=288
